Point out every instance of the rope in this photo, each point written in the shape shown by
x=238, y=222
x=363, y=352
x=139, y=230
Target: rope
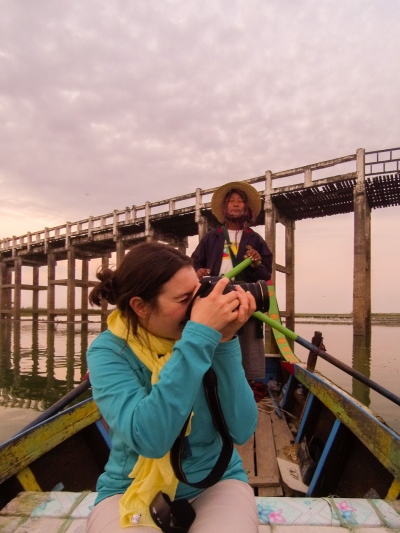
x=379, y=513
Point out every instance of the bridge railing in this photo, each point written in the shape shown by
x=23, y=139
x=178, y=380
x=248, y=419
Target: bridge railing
x=382, y=162
x=106, y=222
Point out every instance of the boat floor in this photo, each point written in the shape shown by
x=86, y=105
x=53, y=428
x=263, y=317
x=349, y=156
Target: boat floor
x=270, y=457
x=273, y=473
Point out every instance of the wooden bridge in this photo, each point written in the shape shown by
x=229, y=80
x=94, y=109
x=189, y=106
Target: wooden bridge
x=356, y=183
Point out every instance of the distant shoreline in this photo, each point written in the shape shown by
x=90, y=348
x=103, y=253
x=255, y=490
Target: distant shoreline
x=378, y=319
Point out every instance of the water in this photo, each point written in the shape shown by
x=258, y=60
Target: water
x=377, y=358
x=40, y=362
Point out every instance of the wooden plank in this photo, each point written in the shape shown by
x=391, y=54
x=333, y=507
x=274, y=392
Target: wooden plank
x=259, y=481
x=266, y=463
x=283, y=437
x=265, y=449
x=259, y=456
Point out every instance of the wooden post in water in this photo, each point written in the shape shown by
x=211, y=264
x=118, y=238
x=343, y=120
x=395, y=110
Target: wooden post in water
x=270, y=216
x=5, y=290
x=289, y=263
x=35, y=293
x=17, y=288
x=362, y=253
x=51, y=288
x=270, y=220
x=120, y=251
x=104, y=305
x=85, y=290
x=71, y=284
x=202, y=222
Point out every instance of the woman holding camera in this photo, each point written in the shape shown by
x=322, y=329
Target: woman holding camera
x=147, y=373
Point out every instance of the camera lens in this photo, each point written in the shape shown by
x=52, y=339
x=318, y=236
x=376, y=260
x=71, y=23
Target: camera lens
x=259, y=290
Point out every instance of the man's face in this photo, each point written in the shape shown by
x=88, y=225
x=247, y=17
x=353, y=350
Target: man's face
x=235, y=206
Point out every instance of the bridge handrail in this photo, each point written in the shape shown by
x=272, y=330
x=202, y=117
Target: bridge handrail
x=379, y=165
x=138, y=214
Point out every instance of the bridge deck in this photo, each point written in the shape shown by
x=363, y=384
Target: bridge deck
x=178, y=218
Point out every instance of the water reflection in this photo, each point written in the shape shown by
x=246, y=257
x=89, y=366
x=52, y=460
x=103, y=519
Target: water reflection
x=70, y=355
x=41, y=361
x=5, y=348
x=362, y=363
x=50, y=355
x=17, y=353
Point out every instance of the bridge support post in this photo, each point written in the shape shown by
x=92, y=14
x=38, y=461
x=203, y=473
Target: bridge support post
x=71, y=284
x=85, y=290
x=104, y=305
x=290, y=274
x=35, y=293
x=182, y=245
x=17, y=288
x=120, y=251
x=270, y=238
x=51, y=288
x=272, y=217
x=270, y=220
x=362, y=253
x=202, y=225
x=5, y=290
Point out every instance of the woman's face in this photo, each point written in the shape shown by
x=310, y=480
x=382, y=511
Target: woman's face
x=168, y=318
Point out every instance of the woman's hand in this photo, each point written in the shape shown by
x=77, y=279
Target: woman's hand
x=224, y=312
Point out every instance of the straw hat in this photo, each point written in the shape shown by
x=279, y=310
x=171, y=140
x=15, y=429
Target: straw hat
x=253, y=198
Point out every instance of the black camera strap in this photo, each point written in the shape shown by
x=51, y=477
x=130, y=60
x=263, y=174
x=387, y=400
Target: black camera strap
x=172, y=516
x=211, y=390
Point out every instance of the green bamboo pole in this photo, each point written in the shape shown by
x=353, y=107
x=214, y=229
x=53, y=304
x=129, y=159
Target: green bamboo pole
x=238, y=268
x=306, y=344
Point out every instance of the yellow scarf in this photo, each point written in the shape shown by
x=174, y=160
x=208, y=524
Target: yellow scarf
x=150, y=475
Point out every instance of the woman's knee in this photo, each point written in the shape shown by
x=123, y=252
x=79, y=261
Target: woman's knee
x=228, y=506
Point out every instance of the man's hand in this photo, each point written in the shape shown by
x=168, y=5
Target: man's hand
x=254, y=256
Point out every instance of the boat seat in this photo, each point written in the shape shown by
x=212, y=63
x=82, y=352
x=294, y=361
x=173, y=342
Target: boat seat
x=66, y=512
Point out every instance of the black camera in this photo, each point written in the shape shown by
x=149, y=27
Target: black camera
x=259, y=290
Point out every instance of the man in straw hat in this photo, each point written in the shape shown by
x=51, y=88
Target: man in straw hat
x=236, y=205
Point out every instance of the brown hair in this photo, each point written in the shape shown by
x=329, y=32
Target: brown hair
x=142, y=272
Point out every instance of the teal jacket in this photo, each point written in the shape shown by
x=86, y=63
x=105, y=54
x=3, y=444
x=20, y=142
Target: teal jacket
x=146, y=420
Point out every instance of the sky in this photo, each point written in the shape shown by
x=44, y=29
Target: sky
x=107, y=104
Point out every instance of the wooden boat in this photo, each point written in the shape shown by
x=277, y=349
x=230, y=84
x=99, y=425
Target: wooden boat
x=337, y=465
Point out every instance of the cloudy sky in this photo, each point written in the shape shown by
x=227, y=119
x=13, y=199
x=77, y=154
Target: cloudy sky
x=105, y=104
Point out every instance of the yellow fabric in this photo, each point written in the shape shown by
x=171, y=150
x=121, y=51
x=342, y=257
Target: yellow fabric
x=150, y=475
